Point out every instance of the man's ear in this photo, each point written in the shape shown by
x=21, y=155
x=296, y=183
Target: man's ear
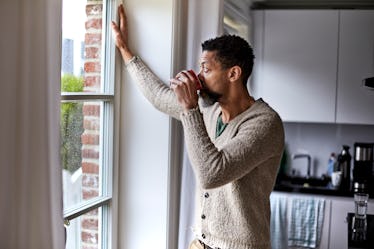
x=235, y=73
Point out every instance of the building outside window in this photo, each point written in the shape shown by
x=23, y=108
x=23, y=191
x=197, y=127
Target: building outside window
x=87, y=121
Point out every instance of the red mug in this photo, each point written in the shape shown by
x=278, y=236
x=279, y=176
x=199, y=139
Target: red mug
x=199, y=86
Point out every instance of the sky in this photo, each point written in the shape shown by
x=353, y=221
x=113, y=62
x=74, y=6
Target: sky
x=73, y=27
x=73, y=19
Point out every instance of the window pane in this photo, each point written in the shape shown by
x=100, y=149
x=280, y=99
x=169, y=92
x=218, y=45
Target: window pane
x=86, y=122
x=85, y=231
x=82, y=45
x=80, y=151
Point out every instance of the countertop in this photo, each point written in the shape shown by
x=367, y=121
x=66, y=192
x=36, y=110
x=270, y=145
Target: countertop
x=312, y=190
x=328, y=189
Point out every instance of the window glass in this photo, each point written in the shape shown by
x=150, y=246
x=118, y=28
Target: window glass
x=82, y=44
x=86, y=125
x=80, y=151
x=84, y=231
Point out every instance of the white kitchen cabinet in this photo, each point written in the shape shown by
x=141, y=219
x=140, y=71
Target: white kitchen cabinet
x=311, y=63
x=297, y=53
x=338, y=228
x=325, y=236
x=356, y=61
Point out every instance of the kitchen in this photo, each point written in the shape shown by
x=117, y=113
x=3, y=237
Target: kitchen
x=315, y=66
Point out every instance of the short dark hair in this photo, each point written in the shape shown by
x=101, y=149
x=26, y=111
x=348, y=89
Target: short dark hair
x=232, y=50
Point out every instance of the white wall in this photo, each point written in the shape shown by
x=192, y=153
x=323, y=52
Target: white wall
x=144, y=133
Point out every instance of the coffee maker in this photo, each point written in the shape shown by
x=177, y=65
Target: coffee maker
x=363, y=167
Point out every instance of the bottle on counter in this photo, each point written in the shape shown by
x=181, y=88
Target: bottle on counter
x=344, y=165
x=331, y=165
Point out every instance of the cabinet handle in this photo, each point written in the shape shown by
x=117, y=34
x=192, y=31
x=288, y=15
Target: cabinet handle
x=368, y=83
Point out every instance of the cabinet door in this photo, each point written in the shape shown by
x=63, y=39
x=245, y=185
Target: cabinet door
x=339, y=225
x=325, y=236
x=356, y=61
x=299, y=58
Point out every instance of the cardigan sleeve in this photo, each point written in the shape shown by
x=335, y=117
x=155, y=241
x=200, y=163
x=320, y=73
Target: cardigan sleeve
x=155, y=91
x=257, y=139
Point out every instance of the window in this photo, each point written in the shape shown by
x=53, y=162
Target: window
x=87, y=121
x=236, y=18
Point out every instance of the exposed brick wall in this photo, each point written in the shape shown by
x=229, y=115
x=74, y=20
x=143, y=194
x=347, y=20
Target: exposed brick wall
x=91, y=122
x=93, y=46
x=89, y=226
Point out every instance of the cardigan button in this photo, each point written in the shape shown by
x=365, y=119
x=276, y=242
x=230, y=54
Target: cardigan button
x=203, y=236
x=206, y=195
x=203, y=216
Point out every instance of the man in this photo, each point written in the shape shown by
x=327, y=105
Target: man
x=234, y=142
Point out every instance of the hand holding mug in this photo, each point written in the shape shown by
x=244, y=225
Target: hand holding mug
x=185, y=86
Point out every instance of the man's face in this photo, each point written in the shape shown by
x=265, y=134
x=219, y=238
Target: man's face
x=214, y=79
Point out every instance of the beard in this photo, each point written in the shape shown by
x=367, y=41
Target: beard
x=209, y=97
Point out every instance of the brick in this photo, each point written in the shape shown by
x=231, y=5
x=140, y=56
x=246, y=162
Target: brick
x=94, y=212
x=89, y=237
x=90, y=153
x=89, y=247
x=90, y=168
x=90, y=223
x=92, y=83
x=91, y=139
x=90, y=181
x=92, y=39
x=92, y=52
x=94, y=23
x=91, y=124
x=89, y=194
x=91, y=110
x=94, y=9
x=92, y=67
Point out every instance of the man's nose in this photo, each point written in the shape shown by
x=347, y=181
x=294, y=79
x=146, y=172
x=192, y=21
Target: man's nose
x=199, y=71
x=199, y=74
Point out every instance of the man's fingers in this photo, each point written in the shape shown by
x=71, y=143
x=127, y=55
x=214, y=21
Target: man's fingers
x=180, y=84
x=122, y=18
x=174, y=82
x=115, y=27
x=184, y=94
x=115, y=30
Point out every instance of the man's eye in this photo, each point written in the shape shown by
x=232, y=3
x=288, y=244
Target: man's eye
x=204, y=69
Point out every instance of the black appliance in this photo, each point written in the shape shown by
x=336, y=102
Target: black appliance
x=368, y=243
x=363, y=167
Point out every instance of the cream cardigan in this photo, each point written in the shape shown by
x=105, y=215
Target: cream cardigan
x=235, y=172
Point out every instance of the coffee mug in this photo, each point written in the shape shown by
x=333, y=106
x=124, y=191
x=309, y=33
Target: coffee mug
x=336, y=178
x=198, y=83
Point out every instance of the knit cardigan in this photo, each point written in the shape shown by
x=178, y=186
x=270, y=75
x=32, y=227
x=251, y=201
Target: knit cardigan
x=235, y=172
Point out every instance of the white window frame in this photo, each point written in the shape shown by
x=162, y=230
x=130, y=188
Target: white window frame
x=108, y=133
